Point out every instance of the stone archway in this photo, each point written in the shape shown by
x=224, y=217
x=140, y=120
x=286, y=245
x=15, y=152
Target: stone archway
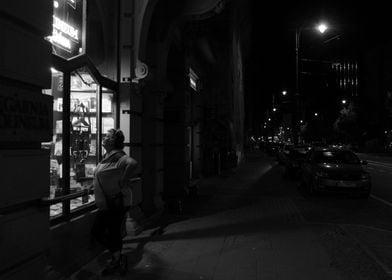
x=165, y=139
x=155, y=90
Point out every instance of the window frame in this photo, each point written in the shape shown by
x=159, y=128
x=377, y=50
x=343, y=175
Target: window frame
x=67, y=67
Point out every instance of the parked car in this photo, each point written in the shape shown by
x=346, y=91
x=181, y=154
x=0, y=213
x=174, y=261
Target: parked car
x=316, y=144
x=295, y=159
x=272, y=148
x=283, y=153
x=335, y=170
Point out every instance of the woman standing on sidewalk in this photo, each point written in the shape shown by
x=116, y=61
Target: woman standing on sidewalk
x=113, y=194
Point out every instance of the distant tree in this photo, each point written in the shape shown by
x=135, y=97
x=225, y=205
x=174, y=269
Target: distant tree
x=316, y=129
x=347, y=124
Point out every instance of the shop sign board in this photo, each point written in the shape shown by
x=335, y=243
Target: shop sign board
x=25, y=116
x=193, y=80
x=68, y=33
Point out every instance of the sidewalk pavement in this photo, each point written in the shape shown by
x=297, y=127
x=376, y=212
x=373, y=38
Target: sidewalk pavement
x=376, y=158
x=236, y=230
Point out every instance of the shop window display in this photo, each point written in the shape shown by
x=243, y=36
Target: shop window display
x=107, y=112
x=55, y=147
x=83, y=134
x=85, y=94
x=88, y=111
x=83, y=116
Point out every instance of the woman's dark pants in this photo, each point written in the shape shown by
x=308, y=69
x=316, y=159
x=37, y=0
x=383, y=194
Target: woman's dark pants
x=107, y=228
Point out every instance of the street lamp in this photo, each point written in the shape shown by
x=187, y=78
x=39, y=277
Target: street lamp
x=284, y=93
x=322, y=27
x=344, y=101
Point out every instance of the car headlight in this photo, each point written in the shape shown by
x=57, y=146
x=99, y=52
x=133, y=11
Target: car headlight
x=322, y=174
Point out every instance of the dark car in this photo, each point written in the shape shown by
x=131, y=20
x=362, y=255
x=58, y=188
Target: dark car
x=295, y=159
x=283, y=152
x=335, y=170
x=272, y=148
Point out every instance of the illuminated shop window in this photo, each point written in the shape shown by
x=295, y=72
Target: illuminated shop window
x=84, y=109
x=83, y=134
x=107, y=112
x=55, y=147
x=90, y=106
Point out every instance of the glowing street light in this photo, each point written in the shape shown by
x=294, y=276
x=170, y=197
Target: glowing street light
x=284, y=93
x=315, y=114
x=322, y=27
x=344, y=101
x=274, y=109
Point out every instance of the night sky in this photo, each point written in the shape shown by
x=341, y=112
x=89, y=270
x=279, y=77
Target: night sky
x=271, y=65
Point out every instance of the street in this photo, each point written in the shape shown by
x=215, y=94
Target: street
x=380, y=168
x=255, y=223
x=368, y=221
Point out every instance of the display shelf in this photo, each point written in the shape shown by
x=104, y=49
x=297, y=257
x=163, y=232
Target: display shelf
x=92, y=133
x=91, y=113
x=90, y=156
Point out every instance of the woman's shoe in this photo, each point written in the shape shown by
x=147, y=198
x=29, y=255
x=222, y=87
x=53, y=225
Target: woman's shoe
x=112, y=267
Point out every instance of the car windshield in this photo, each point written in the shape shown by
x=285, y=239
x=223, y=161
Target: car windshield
x=336, y=157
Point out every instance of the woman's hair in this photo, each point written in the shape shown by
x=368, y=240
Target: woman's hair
x=116, y=138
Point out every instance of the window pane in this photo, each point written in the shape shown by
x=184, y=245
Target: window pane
x=107, y=112
x=83, y=134
x=55, y=147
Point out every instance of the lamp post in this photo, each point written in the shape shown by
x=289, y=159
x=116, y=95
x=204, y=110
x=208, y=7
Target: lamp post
x=321, y=28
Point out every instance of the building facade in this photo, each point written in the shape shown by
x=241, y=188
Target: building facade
x=169, y=75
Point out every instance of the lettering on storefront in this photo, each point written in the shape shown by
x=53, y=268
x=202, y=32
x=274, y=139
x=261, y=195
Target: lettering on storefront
x=68, y=28
x=64, y=33
x=25, y=117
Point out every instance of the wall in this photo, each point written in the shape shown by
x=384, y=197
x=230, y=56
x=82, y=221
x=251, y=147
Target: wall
x=71, y=246
x=25, y=59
